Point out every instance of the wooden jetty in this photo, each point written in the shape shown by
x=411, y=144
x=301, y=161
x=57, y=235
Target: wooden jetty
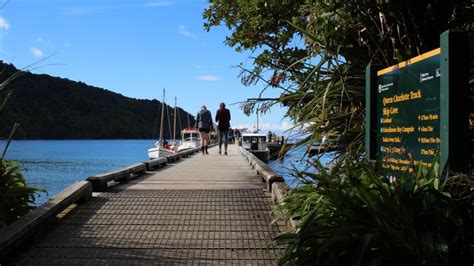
x=186, y=209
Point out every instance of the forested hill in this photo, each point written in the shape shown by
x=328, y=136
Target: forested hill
x=55, y=108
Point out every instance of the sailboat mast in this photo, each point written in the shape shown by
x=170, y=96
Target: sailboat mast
x=187, y=116
x=162, y=118
x=257, y=121
x=174, y=122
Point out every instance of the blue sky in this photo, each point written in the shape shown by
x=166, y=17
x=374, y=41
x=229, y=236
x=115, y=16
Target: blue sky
x=132, y=47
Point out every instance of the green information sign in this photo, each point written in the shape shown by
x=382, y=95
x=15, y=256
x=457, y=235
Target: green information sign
x=420, y=107
x=408, y=112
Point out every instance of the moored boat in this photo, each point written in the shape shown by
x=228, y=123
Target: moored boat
x=256, y=143
x=162, y=147
x=190, y=139
x=160, y=151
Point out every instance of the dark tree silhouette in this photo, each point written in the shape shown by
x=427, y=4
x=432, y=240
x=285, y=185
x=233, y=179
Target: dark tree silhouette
x=55, y=108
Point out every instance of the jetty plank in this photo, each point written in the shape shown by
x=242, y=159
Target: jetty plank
x=211, y=209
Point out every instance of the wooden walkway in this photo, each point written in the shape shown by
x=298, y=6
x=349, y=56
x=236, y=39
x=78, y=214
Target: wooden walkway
x=209, y=209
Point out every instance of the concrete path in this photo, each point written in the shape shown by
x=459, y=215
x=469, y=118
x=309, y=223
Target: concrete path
x=201, y=210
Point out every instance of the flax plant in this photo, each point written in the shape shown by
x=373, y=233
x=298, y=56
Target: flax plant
x=356, y=216
x=315, y=53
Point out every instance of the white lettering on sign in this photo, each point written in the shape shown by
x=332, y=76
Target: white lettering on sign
x=385, y=87
x=425, y=77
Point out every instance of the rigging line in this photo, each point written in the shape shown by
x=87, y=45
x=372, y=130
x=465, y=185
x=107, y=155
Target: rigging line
x=187, y=116
x=169, y=123
x=155, y=125
x=174, y=119
x=162, y=118
x=262, y=123
x=179, y=121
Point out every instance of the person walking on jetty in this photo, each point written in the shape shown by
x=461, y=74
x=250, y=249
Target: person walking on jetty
x=223, y=118
x=204, y=125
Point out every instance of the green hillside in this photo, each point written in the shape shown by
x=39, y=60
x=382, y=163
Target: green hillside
x=55, y=108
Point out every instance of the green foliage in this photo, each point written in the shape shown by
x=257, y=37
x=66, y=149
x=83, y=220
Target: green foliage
x=317, y=51
x=55, y=108
x=354, y=216
x=16, y=198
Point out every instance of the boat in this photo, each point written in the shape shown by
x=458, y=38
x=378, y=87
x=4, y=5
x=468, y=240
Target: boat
x=254, y=141
x=162, y=147
x=160, y=151
x=190, y=139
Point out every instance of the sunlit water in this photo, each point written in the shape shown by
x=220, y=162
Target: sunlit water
x=55, y=164
x=296, y=160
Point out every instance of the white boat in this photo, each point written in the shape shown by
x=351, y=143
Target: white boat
x=254, y=141
x=190, y=139
x=162, y=148
x=157, y=152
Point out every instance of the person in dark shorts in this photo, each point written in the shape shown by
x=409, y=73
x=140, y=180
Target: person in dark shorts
x=204, y=124
x=223, y=118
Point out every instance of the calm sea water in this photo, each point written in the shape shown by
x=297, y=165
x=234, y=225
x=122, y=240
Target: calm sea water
x=55, y=164
x=296, y=160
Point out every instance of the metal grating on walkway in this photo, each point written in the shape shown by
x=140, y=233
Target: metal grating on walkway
x=230, y=226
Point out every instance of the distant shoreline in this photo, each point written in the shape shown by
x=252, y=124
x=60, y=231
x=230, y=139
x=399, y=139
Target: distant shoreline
x=51, y=108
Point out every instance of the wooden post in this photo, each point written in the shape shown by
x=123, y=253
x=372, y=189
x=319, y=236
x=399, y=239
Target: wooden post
x=370, y=111
x=454, y=102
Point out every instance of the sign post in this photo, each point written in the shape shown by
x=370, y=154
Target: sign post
x=454, y=104
x=419, y=107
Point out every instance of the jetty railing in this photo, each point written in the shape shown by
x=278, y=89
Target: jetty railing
x=262, y=169
x=35, y=224
x=276, y=184
x=102, y=182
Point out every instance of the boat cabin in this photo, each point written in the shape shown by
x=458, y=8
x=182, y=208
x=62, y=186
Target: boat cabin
x=254, y=141
x=190, y=134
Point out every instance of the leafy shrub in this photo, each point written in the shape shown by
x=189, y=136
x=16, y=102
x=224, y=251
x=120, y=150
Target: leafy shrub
x=16, y=197
x=354, y=216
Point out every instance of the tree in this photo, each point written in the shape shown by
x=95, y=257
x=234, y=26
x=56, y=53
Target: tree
x=317, y=52
x=55, y=108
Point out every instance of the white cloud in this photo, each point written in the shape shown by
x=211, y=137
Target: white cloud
x=36, y=52
x=183, y=31
x=208, y=78
x=4, y=24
